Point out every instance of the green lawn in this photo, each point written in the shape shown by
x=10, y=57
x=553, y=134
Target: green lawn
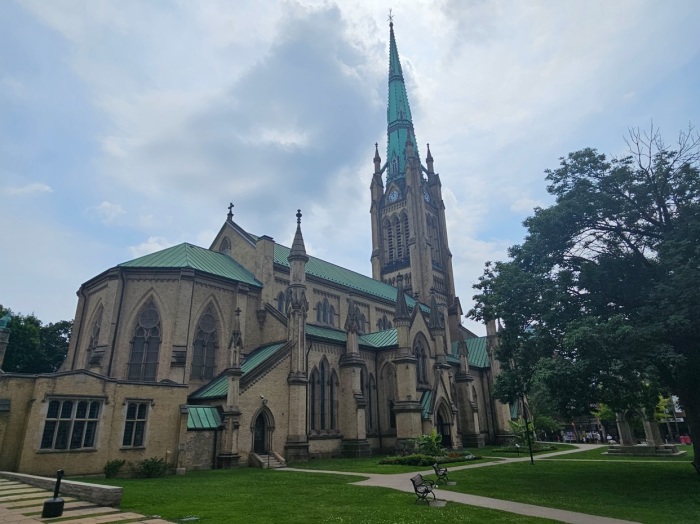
x=649, y=492
x=263, y=496
x=599, y=454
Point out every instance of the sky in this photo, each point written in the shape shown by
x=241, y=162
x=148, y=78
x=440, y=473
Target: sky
x=128, y=126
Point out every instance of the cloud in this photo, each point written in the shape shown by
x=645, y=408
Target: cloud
x=28, y=189
x=151, y=245
x=108, y=211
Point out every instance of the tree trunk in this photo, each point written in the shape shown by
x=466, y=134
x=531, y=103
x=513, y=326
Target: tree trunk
x=690, y=400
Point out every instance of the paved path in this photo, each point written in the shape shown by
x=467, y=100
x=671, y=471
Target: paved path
x=402, y=482
x=22, y=504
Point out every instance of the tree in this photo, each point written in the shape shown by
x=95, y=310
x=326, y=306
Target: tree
x=601, y=298
x=34, y=347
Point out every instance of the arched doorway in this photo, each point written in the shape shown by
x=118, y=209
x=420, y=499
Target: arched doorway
x=443, y=426
x=260, y=444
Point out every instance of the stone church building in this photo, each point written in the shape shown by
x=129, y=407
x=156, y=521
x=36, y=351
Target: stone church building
x=250, y=351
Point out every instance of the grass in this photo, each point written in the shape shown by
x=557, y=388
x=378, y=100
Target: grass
x=262, y=496
x=599, y=454
x=648, y=492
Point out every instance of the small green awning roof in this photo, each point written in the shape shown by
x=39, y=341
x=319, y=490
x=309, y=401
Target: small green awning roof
x=188, y=256
x=478, y=356
x=203, y=417
x=426, y=403
x=377, y=340
x=218, y=387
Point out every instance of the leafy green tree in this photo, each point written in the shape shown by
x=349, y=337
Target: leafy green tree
x=34, y=347
x=600, y=301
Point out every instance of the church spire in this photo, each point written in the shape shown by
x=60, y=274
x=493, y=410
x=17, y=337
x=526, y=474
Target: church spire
x=398, y=115
x=298, y=251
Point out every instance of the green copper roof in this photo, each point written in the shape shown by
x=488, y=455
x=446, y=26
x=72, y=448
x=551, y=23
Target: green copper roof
x=218, y=387
x=187, y=255
x=345, y=277
x=425, y=402
x=478, y=356
x=203, y=417
x=378, y=340
x=330, y=334
x=398, y=116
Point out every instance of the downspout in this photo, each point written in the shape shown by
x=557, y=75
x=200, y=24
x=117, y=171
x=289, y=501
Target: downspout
x=117, y=323
x=189, y=323
x=376, y=400
x=81, y=291
x=308, y=350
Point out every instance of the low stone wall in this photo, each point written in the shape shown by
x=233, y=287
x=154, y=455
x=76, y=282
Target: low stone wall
x=97, y=493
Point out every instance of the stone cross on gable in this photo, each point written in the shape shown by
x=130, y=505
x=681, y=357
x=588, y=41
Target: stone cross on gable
x=230, y=211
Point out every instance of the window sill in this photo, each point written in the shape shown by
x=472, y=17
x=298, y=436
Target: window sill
x=132, y=448
x=323, y=435
x=78, y=450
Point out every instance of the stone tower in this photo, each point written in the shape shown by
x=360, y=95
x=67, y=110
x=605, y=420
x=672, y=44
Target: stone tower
x=296, y=305
x=409, y=234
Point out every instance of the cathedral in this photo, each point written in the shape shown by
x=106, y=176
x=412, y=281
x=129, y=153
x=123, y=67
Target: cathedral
x=251, y=353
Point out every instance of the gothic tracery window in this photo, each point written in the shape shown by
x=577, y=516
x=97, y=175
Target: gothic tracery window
x=206, y=344
x=145, y=345
x=421, y=353
x=323, y=398
x=94, y=335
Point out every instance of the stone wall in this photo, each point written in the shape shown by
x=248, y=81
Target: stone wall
x=97, y=493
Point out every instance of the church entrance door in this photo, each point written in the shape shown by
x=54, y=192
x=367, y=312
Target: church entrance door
x=443, y=428
x=259, y=445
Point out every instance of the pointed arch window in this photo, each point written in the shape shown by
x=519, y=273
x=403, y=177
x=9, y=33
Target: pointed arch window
x=325, y=313
x=390, y=241
x=225, y=246
x=383, y=323
x=145, y=345
x=206, y=345
x=94, y=338
x=394, y=165
x=361, y=323
x=280, y=302
x=421, y=352
x=372, y=403
x=405, y=233
x=399, y=238
x=323, y=398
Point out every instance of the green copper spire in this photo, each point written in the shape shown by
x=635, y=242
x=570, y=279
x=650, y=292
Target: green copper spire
x=398, y=115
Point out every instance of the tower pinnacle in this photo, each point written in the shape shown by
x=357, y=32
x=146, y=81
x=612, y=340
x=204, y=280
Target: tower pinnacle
x=398, y=115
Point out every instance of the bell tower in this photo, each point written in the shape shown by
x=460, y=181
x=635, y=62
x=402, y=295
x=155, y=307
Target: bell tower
x=409, y=234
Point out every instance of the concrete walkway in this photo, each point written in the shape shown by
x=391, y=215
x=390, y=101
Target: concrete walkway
x=22, y=504
x=402, y=482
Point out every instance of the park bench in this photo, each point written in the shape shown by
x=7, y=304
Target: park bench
x=441, y=473
x=423, y=488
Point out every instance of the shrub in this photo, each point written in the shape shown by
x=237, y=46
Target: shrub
x=149, y=468
x=419, y=459
x=430, y=444
x=112, y=468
